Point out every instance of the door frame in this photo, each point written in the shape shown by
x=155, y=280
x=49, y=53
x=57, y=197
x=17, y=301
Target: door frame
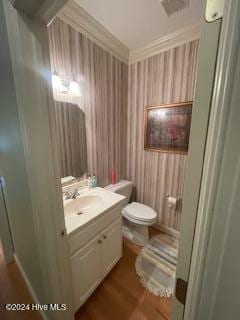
x=223, y=83
x=207, y=56
x=29, y=49
x=227, y=59
x=210, y=169
x=5, y=229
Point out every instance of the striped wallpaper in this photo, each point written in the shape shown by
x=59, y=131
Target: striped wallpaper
x=114, y=97
x=165, y=78
x=103, y=82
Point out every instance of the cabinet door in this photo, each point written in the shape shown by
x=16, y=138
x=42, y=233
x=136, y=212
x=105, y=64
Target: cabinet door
x=111, y=246
x=86, y=270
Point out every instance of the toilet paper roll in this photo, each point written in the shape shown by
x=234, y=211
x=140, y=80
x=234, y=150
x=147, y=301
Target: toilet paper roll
x=172, y=202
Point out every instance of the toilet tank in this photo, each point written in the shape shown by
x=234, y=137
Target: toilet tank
x=122, y=187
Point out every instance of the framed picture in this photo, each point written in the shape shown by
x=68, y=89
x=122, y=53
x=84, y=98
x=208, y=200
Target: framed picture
x=167, y=127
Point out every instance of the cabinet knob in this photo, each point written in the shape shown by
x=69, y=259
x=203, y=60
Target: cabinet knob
x=99, y=241
x=104, y=236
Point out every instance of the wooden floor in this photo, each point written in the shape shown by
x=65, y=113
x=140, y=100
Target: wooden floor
x=13, y=290
x=122, y=297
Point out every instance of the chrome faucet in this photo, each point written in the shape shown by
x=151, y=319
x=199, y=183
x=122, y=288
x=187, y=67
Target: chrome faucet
x=72, y=195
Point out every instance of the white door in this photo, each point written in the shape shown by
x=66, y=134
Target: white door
x=111, y=246
x=206, y=89
x=207, y=56
x=86, y=270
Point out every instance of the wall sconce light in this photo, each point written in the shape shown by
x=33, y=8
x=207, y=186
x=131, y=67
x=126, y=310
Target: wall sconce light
x=74, y=89
x=57, y=83
x=66, y=87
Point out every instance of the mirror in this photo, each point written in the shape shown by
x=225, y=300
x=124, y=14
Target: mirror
x=103, y=85
x=71, y=139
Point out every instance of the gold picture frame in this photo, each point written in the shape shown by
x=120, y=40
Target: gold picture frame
x=167, y=127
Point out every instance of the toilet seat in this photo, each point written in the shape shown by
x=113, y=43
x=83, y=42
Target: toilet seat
x=138, y=212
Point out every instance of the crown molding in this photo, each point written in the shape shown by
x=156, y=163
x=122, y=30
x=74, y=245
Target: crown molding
x=165, y=43
x=80, y=20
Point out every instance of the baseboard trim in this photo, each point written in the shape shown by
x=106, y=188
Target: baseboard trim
x=165, y=229
x=28, y=283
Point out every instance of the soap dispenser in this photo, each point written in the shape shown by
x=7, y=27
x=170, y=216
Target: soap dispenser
x=90, y=182
x=94, y=180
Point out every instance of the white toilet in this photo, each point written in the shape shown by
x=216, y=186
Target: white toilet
x=137, y=216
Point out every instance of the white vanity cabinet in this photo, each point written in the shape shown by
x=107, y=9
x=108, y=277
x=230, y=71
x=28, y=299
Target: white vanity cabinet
x=100, y=248
x=86, y=271
x=111, y=249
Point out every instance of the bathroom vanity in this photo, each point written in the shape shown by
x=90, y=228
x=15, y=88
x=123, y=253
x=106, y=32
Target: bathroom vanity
x=93, y=224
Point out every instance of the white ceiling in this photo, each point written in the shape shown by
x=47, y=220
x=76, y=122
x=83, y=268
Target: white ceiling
x=138, y=22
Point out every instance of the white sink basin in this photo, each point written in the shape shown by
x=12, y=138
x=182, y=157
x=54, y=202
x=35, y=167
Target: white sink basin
x=83, y=204
x=91, y=203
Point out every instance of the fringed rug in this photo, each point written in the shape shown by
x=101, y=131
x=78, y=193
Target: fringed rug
x=156, y=265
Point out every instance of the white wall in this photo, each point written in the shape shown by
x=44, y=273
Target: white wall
x=13, y=169
x=28, y=42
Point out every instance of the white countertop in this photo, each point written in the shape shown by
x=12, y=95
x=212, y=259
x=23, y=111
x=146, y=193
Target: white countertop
x=74, y=222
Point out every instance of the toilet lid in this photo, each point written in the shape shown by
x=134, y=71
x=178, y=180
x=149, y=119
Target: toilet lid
x=140, y=212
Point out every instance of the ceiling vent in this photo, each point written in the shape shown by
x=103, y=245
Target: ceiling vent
x=174, y=6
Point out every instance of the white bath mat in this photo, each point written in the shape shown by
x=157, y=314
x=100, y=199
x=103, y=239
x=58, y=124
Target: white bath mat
x=156, y=265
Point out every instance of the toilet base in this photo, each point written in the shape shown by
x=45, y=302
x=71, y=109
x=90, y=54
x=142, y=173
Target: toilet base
x=138, y=234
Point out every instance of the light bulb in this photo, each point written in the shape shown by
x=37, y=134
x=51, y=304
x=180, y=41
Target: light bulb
x=74, y=88
x=56, y=82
